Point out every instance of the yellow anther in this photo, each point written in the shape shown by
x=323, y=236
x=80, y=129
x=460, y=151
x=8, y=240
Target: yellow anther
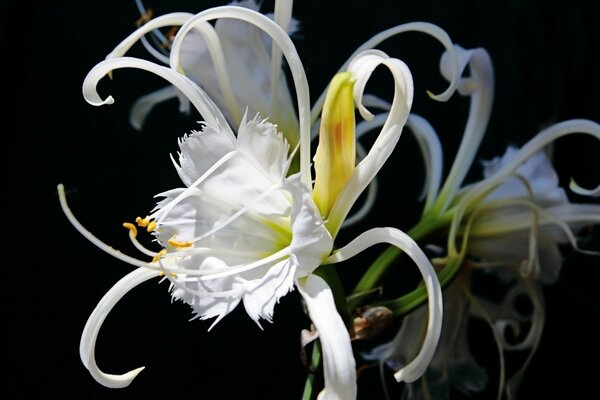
x=171, y=274
x=142, y=222
x=159, y=255
x=131, y=228
x=175, y=243
x=151, y=226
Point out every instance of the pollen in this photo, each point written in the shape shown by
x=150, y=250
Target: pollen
x=159, y=255
x=175, y=243
x=151, y=226
x=131, y=228
x=142, y=222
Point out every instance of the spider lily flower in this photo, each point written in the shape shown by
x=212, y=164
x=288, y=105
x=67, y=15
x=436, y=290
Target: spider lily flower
x=523, y=221
x=233, y=61
x=242, y=229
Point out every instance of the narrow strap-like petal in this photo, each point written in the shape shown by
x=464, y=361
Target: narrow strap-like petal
x=480, y=86
x=395, y=237
x=205, y=106
x=94, y=322
x=425, y=27
x=338, y=359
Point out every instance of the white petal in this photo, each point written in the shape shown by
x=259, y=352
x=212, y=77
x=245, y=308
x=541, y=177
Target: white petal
x=200, y=151
x=338, y=359
x=395, y=237
x=260, y=140
x=544, y=138
x=539, y=173
x=311, y=241
x=262, y=294
x=197, y=293
x=425, y=27
x=481, y=90
x=196, y=95
x=431, y=148
x=173, y=19
x=142, y=107
x=94, y=322
x=582, y=191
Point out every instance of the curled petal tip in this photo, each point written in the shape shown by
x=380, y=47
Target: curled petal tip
x=439, y=97
x=575, y=188
x=116, y=381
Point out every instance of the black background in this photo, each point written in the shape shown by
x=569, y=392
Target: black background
x=53, y=278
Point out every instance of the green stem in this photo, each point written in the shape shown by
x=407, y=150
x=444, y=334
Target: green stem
x=410, y=301
x=315, y=361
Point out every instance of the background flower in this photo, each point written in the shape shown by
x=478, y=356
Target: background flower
x=541, y=52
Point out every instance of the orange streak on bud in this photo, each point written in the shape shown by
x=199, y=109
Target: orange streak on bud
x=335, y=157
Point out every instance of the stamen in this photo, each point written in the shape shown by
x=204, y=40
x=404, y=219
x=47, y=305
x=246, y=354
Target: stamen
x=89, y=236
x=151, y=226
x=177, y=244
x=142, y=222
x=131, y=227
x=159, y=255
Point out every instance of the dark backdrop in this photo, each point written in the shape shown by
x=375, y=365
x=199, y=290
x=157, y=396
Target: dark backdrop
x=53, y=278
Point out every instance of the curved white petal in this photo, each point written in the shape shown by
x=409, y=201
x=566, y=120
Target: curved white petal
x=281, y=38
x=361, y=68
x=546, y=137
x=480, y=86
x=338, y=359
x=142, y=107
x=425, y=27
x=173, y=19
x=283, y=18
x=395, y=237
x=582, y=191
x=431, y=148
x=205, y=106
x=94, y=322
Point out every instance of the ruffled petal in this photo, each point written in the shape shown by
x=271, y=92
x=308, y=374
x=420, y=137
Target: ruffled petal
x=311, y=241
x=261, y=295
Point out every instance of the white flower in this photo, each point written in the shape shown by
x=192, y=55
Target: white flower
x=529, y=201
x=243, y=229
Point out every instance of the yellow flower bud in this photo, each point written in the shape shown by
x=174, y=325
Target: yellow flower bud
x=336, y=155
